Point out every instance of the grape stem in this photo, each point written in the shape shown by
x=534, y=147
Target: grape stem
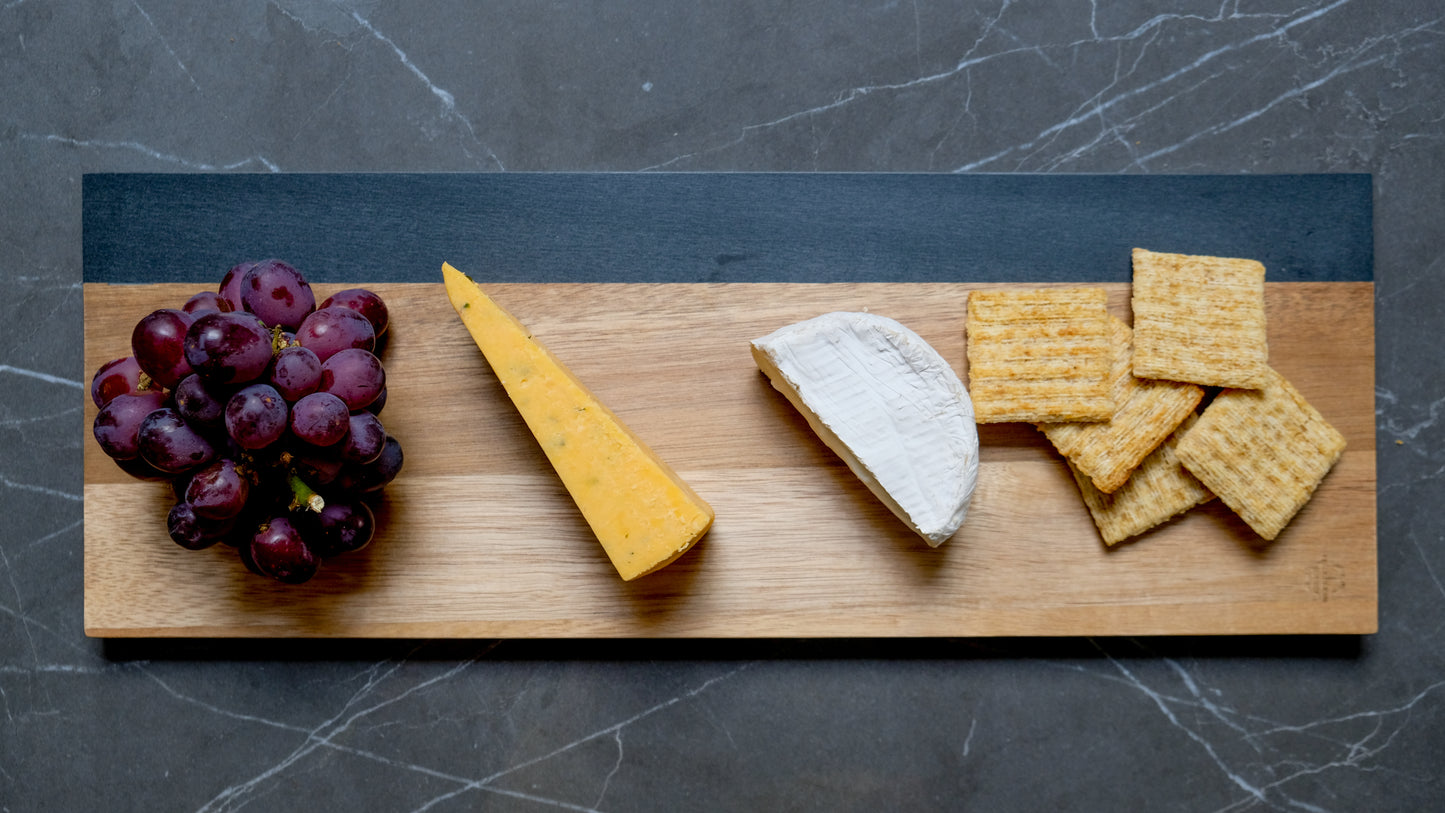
x=279, y=341
x=302, y=495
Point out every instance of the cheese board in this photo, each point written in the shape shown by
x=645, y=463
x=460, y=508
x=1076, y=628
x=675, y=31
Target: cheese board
x=477, y=538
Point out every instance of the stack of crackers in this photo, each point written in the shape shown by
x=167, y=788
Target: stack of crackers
x=1121, y=404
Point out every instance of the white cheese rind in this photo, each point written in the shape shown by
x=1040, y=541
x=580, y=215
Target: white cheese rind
x=889, y=405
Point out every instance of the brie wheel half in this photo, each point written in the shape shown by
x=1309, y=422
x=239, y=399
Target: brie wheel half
x=889, y=405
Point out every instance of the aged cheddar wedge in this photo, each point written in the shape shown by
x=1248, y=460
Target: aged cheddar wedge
x=644, y=515
x=889, y=405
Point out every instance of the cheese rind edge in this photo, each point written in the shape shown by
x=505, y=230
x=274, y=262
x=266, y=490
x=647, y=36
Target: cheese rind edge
x=882, y=399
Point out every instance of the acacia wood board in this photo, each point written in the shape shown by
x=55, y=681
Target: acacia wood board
x=478, y=538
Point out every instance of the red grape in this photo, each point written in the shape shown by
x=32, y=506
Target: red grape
x=277, y=293
x=218, y=491
x=295, y=372
x=117, y=425
x=207, y=302
x=228, y=347
x=157, y=344
x=353, y=375
x=256, y=416
x=230, y=289
x=193, y=531
x=320, y=419
x=279, y=552
x=329, y=330
x=341, y=527
x=369, y=477
x=363, y=302
x=365, y=438
x=119, y=377
x=170, y=444
x=200, y=403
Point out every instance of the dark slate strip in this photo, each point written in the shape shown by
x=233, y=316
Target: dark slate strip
x=746, y=227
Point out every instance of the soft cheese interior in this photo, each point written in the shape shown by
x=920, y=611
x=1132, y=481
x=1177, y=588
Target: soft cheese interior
x=889, y=405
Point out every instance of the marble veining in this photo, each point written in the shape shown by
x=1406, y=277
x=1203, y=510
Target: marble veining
x=448, y=101
x=157, y=155
x=1256, y=752
x=1220, y=86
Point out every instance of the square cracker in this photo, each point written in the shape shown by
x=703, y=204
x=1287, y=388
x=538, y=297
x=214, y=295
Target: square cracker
x=1039, y=355
x=1146, y=411
x=1263, y=451
x=1199, y=319
x=1159, y=489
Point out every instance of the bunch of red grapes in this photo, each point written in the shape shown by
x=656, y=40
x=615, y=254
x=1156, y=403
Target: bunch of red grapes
x=261, y=409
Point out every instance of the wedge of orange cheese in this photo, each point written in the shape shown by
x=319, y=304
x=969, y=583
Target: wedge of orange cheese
x=642, y=512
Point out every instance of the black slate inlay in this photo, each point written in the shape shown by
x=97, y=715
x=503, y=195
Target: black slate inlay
x=744, y=227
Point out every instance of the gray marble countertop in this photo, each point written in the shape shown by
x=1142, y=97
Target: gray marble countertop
x=1045, y=86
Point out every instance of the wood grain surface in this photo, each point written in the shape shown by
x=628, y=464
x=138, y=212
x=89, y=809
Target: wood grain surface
x=478, y=538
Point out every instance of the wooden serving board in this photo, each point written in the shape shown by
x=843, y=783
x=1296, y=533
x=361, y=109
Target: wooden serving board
x=478, y=538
